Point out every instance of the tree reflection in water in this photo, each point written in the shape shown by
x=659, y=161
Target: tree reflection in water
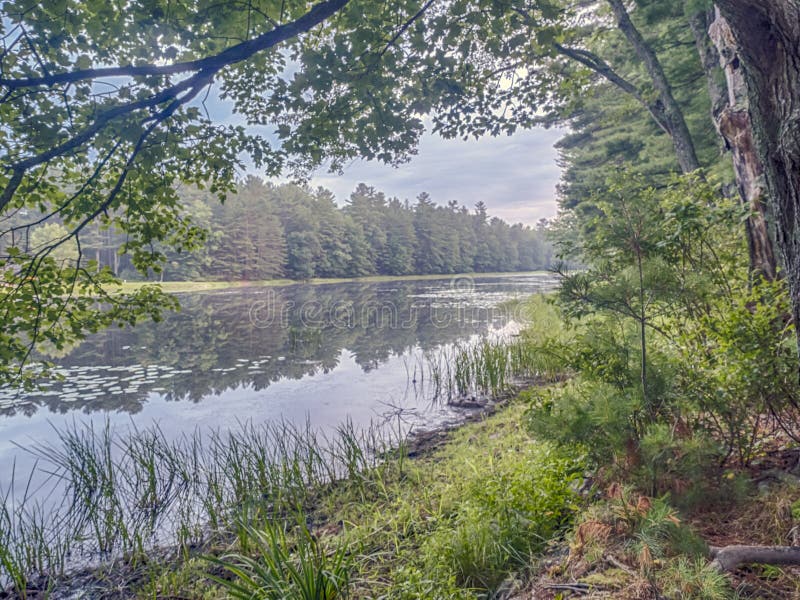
x=257, y=336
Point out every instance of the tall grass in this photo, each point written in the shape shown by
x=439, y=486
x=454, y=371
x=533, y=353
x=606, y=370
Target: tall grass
x=104, y=493
x=485, y=368
x=285, y=567
x=491, y=366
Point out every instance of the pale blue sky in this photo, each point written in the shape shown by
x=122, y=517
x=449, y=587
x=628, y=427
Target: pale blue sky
x=516, y=176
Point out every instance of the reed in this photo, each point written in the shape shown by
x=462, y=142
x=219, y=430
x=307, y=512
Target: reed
x=125, y=493
x=488, y=367
x=284, y=564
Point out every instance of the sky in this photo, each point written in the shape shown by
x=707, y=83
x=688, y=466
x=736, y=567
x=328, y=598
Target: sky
x=515, y=176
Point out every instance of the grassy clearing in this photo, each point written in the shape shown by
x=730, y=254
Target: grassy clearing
x=175, y=287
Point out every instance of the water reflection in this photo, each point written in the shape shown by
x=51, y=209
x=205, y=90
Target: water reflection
x=255, y=337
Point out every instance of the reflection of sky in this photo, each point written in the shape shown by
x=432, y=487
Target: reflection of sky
x=257, y=336
x=515, y=176
x=362, y=382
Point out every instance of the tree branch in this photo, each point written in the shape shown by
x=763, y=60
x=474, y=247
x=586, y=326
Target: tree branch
x=238, y=53
x=207, y=69
x=602, y=68
x=730, y=557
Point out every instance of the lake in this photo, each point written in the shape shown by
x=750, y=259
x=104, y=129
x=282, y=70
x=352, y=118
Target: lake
x=320, y=353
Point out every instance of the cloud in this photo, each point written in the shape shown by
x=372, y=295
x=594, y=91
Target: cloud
x=515, y=176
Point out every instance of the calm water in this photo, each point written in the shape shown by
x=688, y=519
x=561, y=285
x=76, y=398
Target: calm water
x=324, y=353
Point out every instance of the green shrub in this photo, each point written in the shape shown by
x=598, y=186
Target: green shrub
x=662, y=533
x=693, y=579
x=413, y=584
x=684, y=464
x=597, y=417
x=739, y=370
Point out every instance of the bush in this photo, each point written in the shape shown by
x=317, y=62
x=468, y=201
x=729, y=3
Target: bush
x=693, y=579
x=739, y=370
x=680, y=462
x=598, y=417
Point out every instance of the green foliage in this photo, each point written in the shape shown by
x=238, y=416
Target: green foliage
x=686, y=464
x=661, y=533
x=509, y=511
x=610, y=127
x=596, y=416
x=415, y=582
x=664, y=296
x=264, y=231
x=686, y=578
x=285, y=566
x=52, y=234
x=743, y=371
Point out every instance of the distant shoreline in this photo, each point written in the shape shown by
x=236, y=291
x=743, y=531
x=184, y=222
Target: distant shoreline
x=178, y=287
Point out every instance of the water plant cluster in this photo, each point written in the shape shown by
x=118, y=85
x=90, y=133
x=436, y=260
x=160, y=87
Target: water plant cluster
x=278, y=511
x=490, y=366
x=98, y=493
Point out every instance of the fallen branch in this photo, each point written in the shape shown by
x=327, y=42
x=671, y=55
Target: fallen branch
x=728, y=558
x=577, y=588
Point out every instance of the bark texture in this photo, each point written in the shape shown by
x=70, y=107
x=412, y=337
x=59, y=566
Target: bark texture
x=766, y=35
x=730, y=557
x=699, y=23
x=732, y=120
x=674, y=121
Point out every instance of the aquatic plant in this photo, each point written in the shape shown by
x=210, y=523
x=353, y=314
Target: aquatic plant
x=96, y=493
x=286, y=565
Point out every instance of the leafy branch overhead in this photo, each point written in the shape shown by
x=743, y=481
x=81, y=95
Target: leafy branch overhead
x=105, y=116
x=104, y=106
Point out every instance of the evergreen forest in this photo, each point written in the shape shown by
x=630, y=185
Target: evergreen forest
x=264, y=231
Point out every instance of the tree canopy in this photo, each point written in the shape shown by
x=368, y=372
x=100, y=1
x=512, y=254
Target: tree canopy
x=103, y=111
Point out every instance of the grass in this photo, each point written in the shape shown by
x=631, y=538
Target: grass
x=455, y=523
x=372, y=521
x=123, y=494
x=284, y=567
x=493, y=367
x=175, y=287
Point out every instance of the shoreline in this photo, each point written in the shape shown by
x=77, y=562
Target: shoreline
x=379, y=465
x=179, y=287
x=116, y=578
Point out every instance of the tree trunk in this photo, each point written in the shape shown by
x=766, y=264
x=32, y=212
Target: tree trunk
x=674, y=121
x=732, y=120
x=699, y=23
x=766, y=34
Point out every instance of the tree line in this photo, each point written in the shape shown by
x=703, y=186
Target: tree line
x=266, y=231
